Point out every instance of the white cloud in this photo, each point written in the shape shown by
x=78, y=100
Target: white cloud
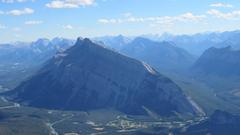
x=14, y=1
x=155, y=19
x=33, y=22
x=104, y=21
x=112, y=21
x=17, y=35
x=69, y=3
x=190, y=17
x=16, y=29
x=128, y=14
x=221, y=5
x=69, y=27
x=229, y=15
x=20, y=12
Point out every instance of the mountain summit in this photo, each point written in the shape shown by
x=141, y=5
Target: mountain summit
x=88, y=76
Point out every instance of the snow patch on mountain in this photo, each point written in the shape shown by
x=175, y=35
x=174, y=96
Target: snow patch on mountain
x=149, y=69
x=59, y=55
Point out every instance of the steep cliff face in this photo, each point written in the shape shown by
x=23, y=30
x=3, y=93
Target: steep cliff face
x=88, y=76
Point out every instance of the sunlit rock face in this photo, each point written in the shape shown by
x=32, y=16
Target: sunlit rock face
x=88, y=76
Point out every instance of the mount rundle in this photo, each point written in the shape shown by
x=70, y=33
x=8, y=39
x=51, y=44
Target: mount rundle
x=88, y=76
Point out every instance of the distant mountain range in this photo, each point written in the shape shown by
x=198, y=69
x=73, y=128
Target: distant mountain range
x=196, y=44
x=32, y=53
x=161, y=55
x=88, y=76
x=114, y=42
x=19, y=60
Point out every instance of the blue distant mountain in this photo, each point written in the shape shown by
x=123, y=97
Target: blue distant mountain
x=196, y=44
x=161, y=55
x=114, y=42
x=20, y=59
x=32, y=53
x=219, y=61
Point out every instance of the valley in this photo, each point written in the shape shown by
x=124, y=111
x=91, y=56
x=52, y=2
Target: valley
x=44, y=98
x=56, y=122
x=119, y=67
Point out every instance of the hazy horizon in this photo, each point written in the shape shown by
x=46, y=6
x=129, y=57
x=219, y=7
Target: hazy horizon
x=115, y=35
x=27, y=20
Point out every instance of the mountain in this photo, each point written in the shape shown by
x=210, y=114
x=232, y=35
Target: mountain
x=114, y=42
x=44, y=49
x=219, y=61
x=161, y=55
x=88, y=76
x=219, y=123
x=31, y=53
x=196, y=44
x=219, y=69
x=19, y=60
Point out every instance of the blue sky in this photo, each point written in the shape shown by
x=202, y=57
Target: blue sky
x=27, y=20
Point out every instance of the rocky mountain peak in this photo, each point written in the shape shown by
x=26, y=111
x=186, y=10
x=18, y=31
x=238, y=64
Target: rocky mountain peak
x=88, y=76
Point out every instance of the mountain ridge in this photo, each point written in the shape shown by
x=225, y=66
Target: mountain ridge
x=219, y=61
x=88, y=76
x=161, y=55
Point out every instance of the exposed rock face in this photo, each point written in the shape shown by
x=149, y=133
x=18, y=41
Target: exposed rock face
x=219, y=61
x=88, y=76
